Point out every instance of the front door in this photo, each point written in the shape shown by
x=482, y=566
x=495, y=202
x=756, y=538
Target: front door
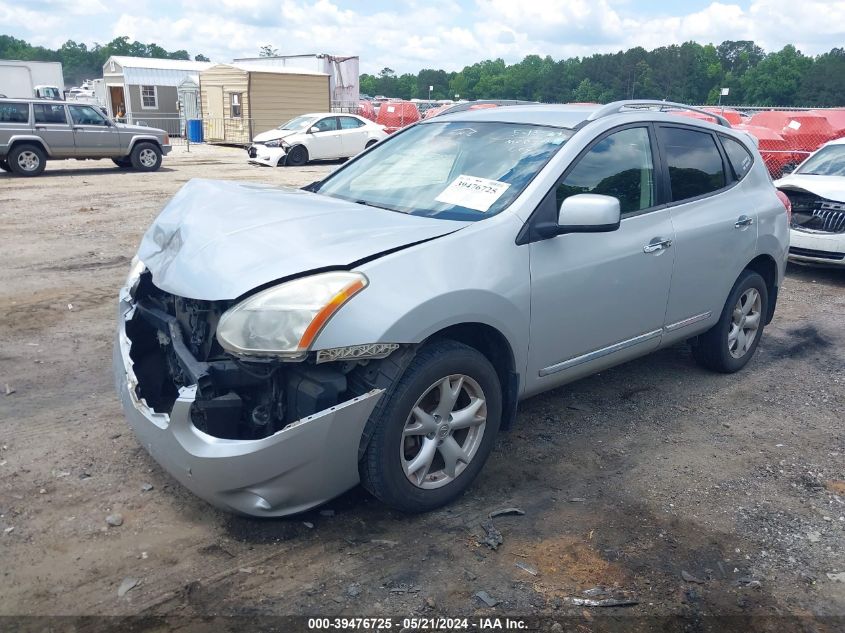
x=324, y=142
x=93, y=134
x=715, y=226
x=600, y=298
x=52, y=125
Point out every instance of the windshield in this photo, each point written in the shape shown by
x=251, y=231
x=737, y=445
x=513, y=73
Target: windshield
x=828, y=161
x=451, y=170
x=299, y=123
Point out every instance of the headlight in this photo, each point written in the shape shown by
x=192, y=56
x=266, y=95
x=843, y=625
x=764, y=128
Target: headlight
x=135, y=269
x=285, y=320
x=273, y=143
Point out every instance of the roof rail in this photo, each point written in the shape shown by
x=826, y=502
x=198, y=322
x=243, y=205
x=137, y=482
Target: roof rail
x=639, y=104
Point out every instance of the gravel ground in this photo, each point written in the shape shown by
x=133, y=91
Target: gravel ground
x=693, y=494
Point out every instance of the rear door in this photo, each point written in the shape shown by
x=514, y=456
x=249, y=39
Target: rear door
x=325, y=141
x=93, y=134
x=715, y=221
x=52, y=125
x=353, y=135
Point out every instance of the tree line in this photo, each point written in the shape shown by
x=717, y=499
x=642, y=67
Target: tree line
x=688, y=73
x=79, y=62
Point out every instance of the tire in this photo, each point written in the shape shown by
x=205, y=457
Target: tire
x=370, y=143
x=27, y=160
x=145, y=157
x=4, y=165
x=297, y=156
x=123, y=163
x=390, y=452
x=721, y=348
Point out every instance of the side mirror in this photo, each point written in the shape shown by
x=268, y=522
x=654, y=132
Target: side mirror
x=584, y=213
x=313, y=129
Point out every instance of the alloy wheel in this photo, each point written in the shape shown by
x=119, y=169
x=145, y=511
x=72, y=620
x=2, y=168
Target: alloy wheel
x=745, y=321
x=28, y=161
x=147, y=157
x=443, y=432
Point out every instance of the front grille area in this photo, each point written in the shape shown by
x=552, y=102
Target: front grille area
x=809, y=252
x=812, y=213
x=174, y=345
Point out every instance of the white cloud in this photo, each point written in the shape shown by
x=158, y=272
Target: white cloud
x=412, y=34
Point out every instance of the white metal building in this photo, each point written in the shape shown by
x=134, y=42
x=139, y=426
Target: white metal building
x=145, y=90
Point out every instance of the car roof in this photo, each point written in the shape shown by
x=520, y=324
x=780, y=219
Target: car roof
x=31, y=100
x=572, y=115
x=567, y=116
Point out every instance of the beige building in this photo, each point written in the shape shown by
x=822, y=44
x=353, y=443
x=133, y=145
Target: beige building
x=240, y=100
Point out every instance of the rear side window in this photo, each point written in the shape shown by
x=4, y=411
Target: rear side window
x=14, y=113
x=738, y=155
x=695, y=164
x=619, y=165
x=348, y=123
x=47, y=113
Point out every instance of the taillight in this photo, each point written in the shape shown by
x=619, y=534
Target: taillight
x=787, y=205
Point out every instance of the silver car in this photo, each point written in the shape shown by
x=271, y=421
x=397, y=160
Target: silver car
x=33, y=131
x=277, y=346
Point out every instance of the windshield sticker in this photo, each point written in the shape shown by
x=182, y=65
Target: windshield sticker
x=473, y=192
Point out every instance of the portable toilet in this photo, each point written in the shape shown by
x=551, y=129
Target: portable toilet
x=188, y=94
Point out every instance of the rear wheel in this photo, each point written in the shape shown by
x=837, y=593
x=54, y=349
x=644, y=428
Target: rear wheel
x=145, y=157
x=729, y=345
x=27, y=160
x=370, y=143
x=436, y=429
x=297, y=156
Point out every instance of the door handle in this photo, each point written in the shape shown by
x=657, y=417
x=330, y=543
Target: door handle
x=40, y=127
x=654, y=246
x=743, y=220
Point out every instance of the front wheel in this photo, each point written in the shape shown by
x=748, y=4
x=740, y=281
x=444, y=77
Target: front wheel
x=729, y=345
x=436, y=429
x=145, y=157
x=297, y=156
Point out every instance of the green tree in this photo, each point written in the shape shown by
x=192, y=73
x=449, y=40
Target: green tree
x=268, y=51
x=776, y=80
x=199, y=57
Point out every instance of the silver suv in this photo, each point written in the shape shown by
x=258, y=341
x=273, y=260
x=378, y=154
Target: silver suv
x=277, y=346
x=35, y=131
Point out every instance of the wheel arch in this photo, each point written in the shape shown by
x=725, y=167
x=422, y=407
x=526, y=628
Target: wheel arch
x=767, y=268
x=497, y=349
x=143, y=139
x=28, y=140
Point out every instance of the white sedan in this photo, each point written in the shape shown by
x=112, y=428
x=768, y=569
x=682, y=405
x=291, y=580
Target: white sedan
x=319, y=136
x=816, y=190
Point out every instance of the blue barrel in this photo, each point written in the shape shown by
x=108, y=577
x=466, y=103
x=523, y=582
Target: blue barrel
x=195, y=130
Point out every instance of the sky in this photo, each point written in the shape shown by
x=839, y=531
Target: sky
x=408, y=35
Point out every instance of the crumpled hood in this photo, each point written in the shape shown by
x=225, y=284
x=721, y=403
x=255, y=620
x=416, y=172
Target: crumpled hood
x=220, y=239
x=272, y=135
x=830, y=187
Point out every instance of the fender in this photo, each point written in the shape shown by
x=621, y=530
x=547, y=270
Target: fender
x=29, y=138
x=137, y=138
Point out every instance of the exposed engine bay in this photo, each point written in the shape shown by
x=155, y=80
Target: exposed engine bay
x=174, y=346
x=811, y=212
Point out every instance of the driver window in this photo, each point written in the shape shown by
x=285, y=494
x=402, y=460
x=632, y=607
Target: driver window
x=86, y=115
x=619, y=165
x=327, y=125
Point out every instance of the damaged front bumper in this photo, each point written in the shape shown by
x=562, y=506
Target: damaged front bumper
x=301, y=466
x=263, y=155
x=817, y=247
